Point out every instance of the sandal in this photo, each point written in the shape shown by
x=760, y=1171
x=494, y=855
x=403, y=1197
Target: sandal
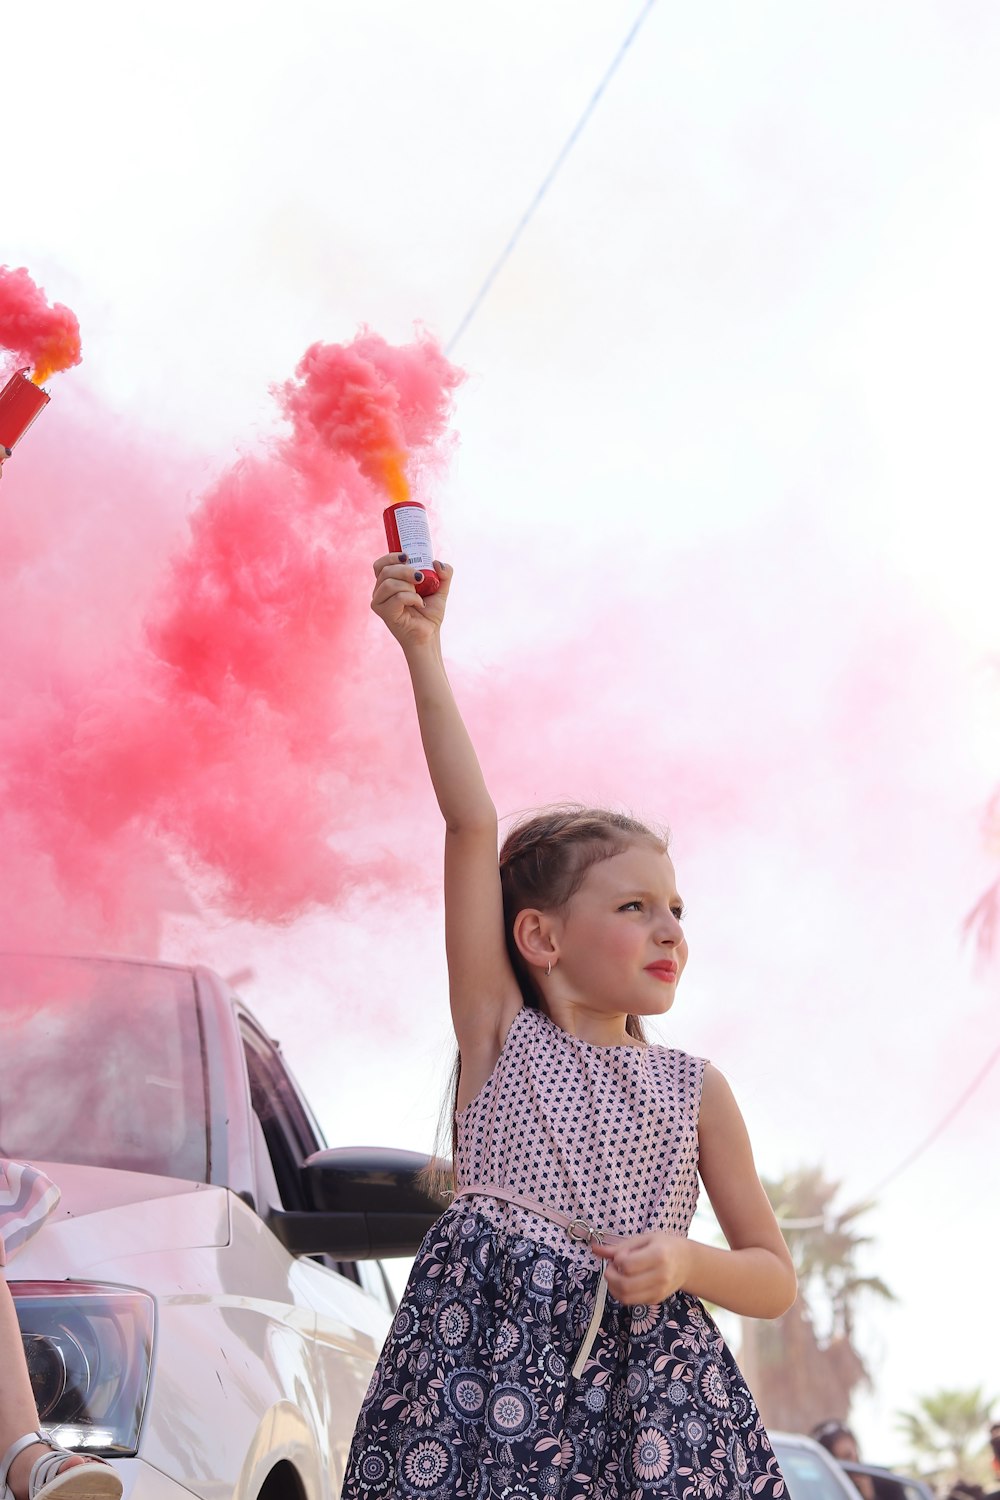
x=94, y=1479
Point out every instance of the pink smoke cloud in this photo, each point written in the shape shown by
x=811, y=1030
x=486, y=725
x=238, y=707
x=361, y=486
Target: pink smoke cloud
x=369, y=401
x=45, y=337
x=204, y=710
x=224, y=730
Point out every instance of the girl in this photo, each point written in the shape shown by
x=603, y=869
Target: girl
x=551, y=1341
x=31, y=1464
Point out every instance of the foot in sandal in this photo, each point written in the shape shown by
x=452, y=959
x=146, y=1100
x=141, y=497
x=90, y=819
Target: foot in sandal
x=36, y=1466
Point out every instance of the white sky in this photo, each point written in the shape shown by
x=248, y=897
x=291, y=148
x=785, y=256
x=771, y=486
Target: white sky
x=727, y=446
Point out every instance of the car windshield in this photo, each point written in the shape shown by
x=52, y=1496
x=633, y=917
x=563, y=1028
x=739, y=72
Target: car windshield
x=102, y=1065
x=809, y=1476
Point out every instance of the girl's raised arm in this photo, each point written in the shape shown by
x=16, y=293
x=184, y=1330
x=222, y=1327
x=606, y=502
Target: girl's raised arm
x=483, y=988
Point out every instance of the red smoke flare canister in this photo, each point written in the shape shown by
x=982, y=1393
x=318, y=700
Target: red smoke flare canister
x=20, y=403
x=406, y=530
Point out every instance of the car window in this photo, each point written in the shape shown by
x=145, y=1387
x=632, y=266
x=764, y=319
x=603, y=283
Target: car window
x=289, y=1131
x=888, y=1486
x=283, y=1122
x=809, y=1476
x=371, y=1275
x=103, y=1065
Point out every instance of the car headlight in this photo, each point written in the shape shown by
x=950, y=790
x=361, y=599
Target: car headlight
x=88, y=1349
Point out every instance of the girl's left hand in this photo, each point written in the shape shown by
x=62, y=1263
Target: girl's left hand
x=648, y=1268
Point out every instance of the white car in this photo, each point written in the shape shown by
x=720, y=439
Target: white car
x=812, y=1473
x=204, y=1307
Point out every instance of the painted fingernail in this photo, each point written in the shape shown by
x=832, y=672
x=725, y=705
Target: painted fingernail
x=8, y=452
x=418, y=577
x=402, y=557
x=437, y=566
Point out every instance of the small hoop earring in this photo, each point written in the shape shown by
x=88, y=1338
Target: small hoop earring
x=548, y=969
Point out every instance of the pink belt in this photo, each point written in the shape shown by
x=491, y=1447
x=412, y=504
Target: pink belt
x=577, y=1229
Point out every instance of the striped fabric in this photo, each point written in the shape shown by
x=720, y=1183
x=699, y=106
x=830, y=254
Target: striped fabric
x=27, y=1197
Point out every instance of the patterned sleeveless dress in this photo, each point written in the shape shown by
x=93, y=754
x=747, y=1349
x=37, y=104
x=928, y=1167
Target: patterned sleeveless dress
x=473, y=1396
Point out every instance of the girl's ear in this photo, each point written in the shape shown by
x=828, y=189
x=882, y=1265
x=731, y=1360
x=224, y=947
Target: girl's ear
x=535, y=936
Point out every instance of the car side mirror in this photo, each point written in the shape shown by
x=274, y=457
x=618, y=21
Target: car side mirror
x=365, y=1202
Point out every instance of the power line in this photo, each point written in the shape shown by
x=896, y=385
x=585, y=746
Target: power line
x=942, y=1124
x=974, y=1083
x=548, y=180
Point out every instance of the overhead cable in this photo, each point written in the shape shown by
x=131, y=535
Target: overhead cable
x=548, y=180
x=942, y=1125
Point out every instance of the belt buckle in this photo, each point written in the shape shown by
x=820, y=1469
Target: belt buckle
x=583, y=1233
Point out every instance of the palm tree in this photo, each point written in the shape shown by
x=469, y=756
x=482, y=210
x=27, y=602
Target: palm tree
x=804, y=1367
x=946, y=1436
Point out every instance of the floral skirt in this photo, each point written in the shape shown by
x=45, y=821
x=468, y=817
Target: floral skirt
x=472, y=1396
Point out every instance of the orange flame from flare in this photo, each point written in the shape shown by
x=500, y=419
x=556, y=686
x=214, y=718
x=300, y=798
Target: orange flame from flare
x=59, y=351
x=396, y=483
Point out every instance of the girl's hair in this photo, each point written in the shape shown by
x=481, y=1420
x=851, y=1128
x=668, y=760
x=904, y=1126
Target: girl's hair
x=543, y=862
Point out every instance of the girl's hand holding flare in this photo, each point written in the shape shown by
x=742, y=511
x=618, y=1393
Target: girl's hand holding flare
x=413, y=620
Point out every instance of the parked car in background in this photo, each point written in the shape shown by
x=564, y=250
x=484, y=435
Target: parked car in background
x=812, y=1473
x=206, y=1304
x=887, y=1485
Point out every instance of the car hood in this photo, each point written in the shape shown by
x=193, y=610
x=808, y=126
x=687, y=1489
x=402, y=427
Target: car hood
x=106, y=1217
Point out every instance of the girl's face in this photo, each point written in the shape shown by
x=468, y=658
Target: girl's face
x=621, y=945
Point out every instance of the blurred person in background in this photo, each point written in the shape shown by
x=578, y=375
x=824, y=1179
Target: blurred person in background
x=995, y=1446
x=964, y=1489
x=841, y=1442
